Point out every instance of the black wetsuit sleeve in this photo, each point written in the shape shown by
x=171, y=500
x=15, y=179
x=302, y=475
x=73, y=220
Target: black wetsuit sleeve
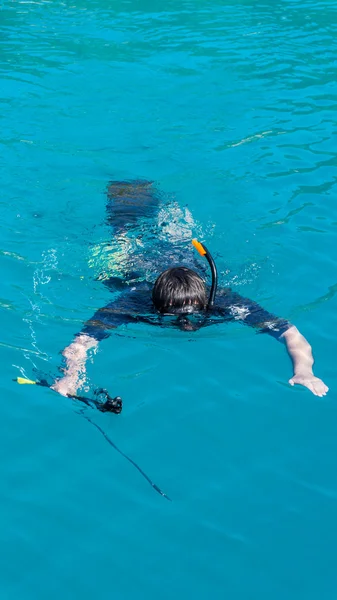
x=105, y=319
x=252, y=314
x=127, y=308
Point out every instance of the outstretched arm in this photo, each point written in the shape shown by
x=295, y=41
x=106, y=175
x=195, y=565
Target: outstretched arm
x=96, y=329
x=76, y=355
x=301, y=355
x=299, y=349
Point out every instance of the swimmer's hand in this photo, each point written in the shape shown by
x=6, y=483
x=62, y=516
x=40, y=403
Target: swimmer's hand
x=308, y=380
x=301, y=355
x=66, y=386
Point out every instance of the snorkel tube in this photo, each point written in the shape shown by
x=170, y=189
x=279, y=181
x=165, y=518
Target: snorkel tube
x=201, y=248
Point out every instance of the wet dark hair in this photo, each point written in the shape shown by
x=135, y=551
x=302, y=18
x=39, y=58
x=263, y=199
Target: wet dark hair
x=178, y=290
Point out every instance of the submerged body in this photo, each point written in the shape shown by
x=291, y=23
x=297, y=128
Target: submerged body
x=135, y=305
x=177, y=299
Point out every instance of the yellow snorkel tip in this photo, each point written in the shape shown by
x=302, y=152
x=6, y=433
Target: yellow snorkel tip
x=24, y=381
x=199, y=247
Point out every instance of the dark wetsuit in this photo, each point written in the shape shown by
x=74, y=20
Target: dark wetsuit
x=135, y=306
x=128, y=205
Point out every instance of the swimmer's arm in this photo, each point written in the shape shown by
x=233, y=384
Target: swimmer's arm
x=298, y=348
x=76, y=355
x=300, y=353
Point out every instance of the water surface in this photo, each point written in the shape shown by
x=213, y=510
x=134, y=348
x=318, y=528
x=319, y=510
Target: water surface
x=230, y=108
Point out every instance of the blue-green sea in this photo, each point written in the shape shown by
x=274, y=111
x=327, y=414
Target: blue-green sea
x=229, y=107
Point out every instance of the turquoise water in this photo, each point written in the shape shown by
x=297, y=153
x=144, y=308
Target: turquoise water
x=231, y=109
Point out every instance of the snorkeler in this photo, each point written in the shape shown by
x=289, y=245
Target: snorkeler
x=178, y=298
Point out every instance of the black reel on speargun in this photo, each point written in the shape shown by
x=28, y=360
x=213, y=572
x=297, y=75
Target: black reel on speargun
x=106, y=403
x=102, y=401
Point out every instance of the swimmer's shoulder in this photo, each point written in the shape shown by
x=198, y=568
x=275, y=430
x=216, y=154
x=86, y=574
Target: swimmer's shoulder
x=132, y=298
x=223, y=298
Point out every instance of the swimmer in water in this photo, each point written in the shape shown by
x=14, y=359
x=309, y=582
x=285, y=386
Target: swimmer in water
x=178, y=298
